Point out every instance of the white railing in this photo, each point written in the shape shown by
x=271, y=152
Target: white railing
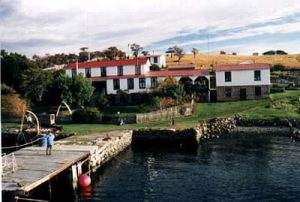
x=9, y=163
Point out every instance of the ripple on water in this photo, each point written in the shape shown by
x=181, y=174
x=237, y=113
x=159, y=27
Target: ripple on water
x=236, y=169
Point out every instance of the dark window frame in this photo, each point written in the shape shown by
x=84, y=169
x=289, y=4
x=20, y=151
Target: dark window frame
x=129, y=84
x=88, y=72
x=257, y=90
x=120, y=70
x=103, y=71
x=228, y=77
x=228, y=92
x=116, y=84
x=257, y=75
x=155, y=59
x=138, y=69
x=154, y=82
x=142, y=83
x=73, y=72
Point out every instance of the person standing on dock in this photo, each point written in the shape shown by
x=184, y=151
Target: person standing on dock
x=50, y=142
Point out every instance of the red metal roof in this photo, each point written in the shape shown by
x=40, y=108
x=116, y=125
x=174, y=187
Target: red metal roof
x=181, y=66
x=236, y=67
x=162, y=73
x=109, y=63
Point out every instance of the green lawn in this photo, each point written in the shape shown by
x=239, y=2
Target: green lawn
x=278, y=106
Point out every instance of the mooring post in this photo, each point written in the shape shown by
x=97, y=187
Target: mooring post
x=74, y=177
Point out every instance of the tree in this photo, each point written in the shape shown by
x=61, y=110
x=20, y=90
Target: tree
x=82, y=90
x=61, y=84
x=281, y=52
x=222, y=52
x=154, y=67
x=270, y=52
x=12, y=67
x=11, y=103
x=178, y=52
x=97, y=54
x=194, y=51
x=135, y=48
x=34, y=83
x=171, y=88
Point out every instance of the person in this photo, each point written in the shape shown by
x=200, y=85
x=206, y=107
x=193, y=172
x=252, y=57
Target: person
x=50, y=142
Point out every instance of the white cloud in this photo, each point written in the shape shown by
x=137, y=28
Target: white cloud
x=99, y=24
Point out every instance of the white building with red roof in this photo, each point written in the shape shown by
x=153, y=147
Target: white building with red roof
x=242, y=81
x=132, y=76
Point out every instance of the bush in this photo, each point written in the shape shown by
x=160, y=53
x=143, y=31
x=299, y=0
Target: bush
x=154, y=67
x=86, y=115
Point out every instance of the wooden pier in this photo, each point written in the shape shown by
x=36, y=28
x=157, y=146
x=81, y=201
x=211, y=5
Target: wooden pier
x=34, y=167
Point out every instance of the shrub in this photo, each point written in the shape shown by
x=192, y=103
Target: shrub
x=154, y=67
x=86, y=115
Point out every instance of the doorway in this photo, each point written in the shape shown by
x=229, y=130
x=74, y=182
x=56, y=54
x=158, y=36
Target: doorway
x=243, y=94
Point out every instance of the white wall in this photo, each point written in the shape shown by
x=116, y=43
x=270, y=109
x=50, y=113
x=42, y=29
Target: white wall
x=124, y=87
x=95, y=71
x=243, y=78
x=69, y=72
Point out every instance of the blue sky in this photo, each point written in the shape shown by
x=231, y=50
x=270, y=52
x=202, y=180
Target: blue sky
x=55, y=26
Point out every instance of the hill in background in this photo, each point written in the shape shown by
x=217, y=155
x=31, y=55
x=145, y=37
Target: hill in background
x=205, y=61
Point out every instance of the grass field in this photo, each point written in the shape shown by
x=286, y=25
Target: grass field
x=204, y=61
x=279, y=106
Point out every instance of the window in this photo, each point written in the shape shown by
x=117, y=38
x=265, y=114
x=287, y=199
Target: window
x=137, y=69
x=120, y=70
x=258, y=91
x=73, y=72
x=227, y=76
x=142, y=83
x=155, y=60
x=153, y=82
x=227, y=92
x=103, y=71
x=116, y=84
x=130, y=84
x=257, y=75
x=88, y=72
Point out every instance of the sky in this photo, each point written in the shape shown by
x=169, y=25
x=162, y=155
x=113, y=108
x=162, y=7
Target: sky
x=242, y=26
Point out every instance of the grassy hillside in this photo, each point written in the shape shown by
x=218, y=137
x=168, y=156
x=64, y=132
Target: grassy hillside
x=204, y=61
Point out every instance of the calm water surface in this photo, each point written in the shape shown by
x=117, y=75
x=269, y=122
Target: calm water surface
x=232, y=169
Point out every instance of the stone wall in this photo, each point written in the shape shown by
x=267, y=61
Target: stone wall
x=109, y=147
x=214, y=127
x=177, y=138
x=166, y=114
x=235, y=92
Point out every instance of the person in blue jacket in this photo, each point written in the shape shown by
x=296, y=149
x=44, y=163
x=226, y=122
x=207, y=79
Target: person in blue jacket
x=50, y=142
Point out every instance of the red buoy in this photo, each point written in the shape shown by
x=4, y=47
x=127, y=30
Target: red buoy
x=84, y=180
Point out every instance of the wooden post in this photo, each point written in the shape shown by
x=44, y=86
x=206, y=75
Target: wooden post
x=74, y=176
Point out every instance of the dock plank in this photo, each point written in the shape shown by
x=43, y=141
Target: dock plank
x=35, y=167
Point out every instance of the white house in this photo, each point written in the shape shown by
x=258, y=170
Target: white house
x=242, y=81
x=159, y=60
x=132, y=76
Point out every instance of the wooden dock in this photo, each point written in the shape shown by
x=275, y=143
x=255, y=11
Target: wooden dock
x=34, y=167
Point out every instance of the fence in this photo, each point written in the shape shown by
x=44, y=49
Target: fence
x=9, y=163
x=166, y=114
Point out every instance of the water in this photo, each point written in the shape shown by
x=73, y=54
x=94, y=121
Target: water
x=234, y=169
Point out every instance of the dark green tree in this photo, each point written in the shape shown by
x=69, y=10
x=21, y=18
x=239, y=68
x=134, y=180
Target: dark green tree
x=13, y=66
x=82, y=90
x=34, y=83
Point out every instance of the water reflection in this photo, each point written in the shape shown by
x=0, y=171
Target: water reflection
x=243, y=168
